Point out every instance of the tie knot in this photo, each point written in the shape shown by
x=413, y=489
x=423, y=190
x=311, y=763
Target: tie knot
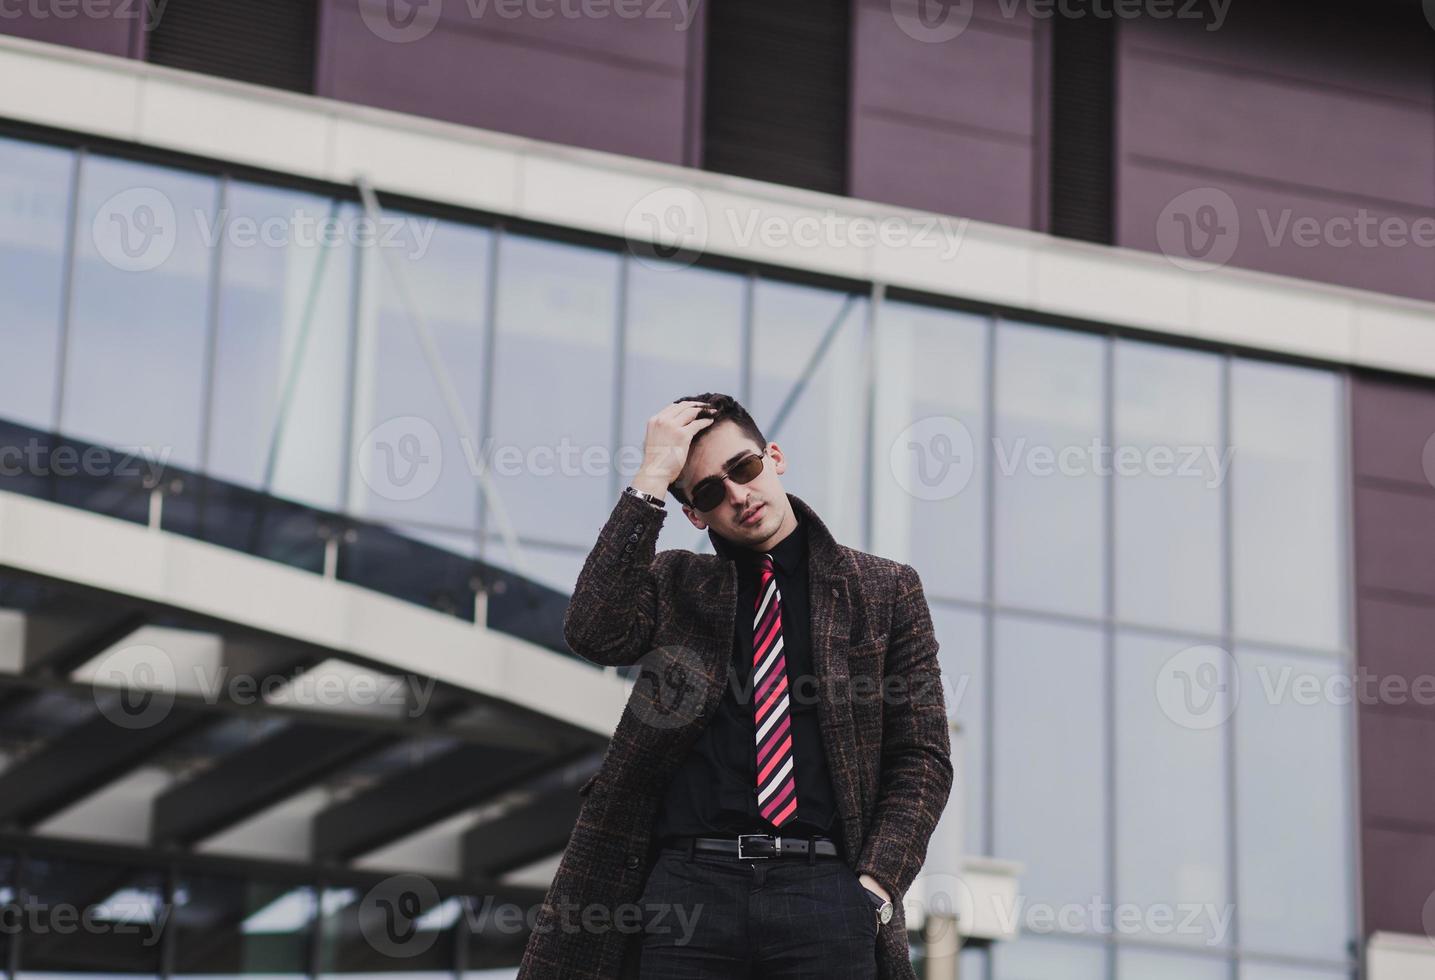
x=766, y=562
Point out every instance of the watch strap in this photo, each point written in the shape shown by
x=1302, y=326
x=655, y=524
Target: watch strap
x=644, y=495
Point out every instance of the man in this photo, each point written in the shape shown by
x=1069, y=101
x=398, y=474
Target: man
x=769, y=792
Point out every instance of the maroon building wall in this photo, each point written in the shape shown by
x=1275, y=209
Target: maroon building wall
x=1394, y=502
x=955, y=126
x=620, y=84
x=121, y=33
x=1290, y=110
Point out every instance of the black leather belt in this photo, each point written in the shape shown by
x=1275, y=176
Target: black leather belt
x=746, y=847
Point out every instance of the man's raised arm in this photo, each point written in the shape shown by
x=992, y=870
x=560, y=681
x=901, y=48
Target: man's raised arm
x=611, y=618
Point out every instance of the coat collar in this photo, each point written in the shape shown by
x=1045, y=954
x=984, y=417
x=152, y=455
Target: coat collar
x=823, y=551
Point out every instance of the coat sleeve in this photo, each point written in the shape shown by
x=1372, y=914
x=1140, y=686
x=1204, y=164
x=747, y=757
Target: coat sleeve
x=917, y=773
x=612, y=614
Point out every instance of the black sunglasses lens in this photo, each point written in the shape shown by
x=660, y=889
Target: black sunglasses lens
x=747, y=470
x=709, y=493
x=706, y=496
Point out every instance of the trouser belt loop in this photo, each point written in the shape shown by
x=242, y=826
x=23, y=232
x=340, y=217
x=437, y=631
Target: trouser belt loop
x=692, y=846
x=812, y=850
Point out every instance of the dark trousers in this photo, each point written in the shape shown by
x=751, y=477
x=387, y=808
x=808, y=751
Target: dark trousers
x=713, y=917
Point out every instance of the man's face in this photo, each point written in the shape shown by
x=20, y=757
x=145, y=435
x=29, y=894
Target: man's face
x=763, y=499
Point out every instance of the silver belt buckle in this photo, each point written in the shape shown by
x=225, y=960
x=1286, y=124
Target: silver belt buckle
x=776, y=847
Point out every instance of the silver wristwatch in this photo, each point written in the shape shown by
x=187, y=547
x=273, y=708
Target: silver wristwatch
x=882, y=906
x=644, y=495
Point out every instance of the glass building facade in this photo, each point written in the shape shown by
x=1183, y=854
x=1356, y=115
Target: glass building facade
x=1134, y=551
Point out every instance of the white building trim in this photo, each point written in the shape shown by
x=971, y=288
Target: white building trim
x=1399, y=956
x=336, y=141
x=132, y=560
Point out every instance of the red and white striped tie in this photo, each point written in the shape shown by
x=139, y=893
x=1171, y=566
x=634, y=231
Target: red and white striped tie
x=776, y=787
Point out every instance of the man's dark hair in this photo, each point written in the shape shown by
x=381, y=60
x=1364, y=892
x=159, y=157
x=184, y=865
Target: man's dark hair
x=724, y=408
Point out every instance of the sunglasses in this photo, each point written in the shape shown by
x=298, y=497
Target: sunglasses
x=709, y=493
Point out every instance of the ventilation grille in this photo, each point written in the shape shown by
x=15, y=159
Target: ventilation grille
x=776, y=93
x=1082, y=93
x=267, y=42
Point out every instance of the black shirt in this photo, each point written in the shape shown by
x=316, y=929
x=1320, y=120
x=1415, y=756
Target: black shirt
x=713, y=792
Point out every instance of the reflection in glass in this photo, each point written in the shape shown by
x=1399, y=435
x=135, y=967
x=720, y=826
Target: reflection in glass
x=281, y=385
x=88, y=917
x=1049, y=776
x=391, y=929
x=928, y=464
x=1041, y=958
x=684, y=337
x=822, y=434
x=34, y=223
x=1142, y=964
x=1286, y=504
x=1050, y=518
x=411, y=465
x=1168, y=486
x=553, y=389
x=961, y=653
x=225, y=925
x=1170, y=802
x=1292, y=829
x=135, y=368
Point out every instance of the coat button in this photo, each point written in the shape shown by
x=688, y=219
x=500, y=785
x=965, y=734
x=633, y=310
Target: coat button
x=631, y=862
x=633, y=536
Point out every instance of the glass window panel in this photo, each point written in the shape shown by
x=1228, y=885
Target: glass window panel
x=226, y=926
x=553, y=388
x=972, y=961
x=35, y=186
x=1043, y=958
x=8, y=897
x=266, y=355
x=1141, y=964
x=822, y=433
x=1288, y=523
x=135, y=368
x=1049, y=775
x=929, y=506
x=1050, y=515
x=684, y=337
x=357, y=937
x=1281, y=971
x=1293, y=830
x=1169, y=470
x=555, y=567
x=89, y=917
x=962, y=655
x=1170, y=802
x=411, y=463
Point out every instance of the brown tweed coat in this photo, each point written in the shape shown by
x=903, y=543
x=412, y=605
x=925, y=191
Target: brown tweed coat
x=671, y=613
